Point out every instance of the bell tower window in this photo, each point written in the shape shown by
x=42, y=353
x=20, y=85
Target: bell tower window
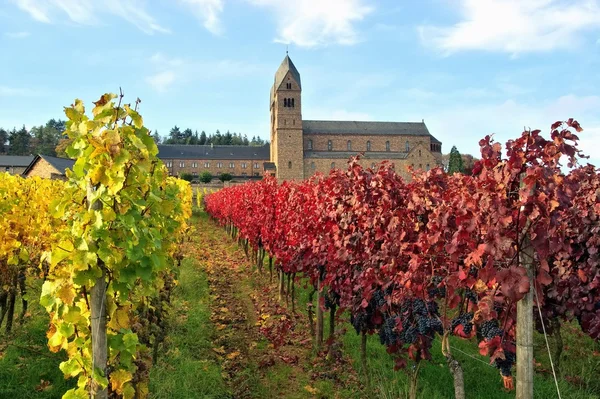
x=387, y=145
x=285, y=102
x=292, y=103
x=329, y=145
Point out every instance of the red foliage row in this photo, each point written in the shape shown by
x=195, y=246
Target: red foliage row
x=393, y=251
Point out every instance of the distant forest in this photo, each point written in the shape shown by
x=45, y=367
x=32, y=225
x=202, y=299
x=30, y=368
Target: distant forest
x=48, y=139
x=42, y=139
x=186, y=136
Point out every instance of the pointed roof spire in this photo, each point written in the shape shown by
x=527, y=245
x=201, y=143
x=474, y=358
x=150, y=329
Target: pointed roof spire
x=286, y=66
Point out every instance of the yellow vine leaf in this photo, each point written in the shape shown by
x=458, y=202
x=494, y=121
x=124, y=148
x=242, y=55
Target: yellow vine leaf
x=118, y=379
x=66, y=294
x=119, y=319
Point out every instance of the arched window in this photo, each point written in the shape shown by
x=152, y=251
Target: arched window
x=309, y=144
x=407, y=146
x=368, y=146
x=329, y=145
x=312, y=165
x=387, y=145
x=285, y=104
x=290, y=165
x=292, y=102
x=427, y=167
x=349, y=145
x=419, y=152
x=332, y=165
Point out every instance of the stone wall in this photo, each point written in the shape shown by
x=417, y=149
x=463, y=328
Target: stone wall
x=419, y=158
x=215, y=167
x=43, y=169
x=359, y=143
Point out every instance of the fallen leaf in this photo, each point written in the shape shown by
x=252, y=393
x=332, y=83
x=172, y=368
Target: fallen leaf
x=43, y=386
x=233, y=355
x=220, y=350
x=312, y=390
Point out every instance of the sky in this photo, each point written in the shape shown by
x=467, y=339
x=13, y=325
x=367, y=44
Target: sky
x=468, y=68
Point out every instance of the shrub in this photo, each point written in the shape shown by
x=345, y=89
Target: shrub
x=206, y=177
x=225, y=177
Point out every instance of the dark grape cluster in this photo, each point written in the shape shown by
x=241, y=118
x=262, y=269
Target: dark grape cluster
x=506, y=364
x=388, y=334
x=378, y=299
x=471, y=295
x=437, y=291
x=419, y=307
x=464, y=319
x=473, y=271
x=433, y=308
x=360, y=321
x=409, y=335
x=491, y=329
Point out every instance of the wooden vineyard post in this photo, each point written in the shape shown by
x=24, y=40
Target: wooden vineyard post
x=319, y=315
x=524, y=385
x=525, y=330
x=98, y=316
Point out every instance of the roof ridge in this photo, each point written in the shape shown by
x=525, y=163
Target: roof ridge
x=346, y=121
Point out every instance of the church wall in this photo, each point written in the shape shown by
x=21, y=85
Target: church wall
x=359, y=143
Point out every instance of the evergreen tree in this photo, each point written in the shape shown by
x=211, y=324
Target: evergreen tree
x=228, y=138
x=174, y=136
x=156, y=137
x=455, y=163
x=246, y=142
x=217, y=138
x=3, y=141
x=186, y=136
x=202, y=138
x=195, y=139
x=19, y=142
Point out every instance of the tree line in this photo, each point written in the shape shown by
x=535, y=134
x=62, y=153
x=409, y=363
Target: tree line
x=189, y=137
x=48, y=139
x=42, y=139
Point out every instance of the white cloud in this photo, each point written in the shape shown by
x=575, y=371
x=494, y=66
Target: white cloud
x=515, y=26
x=37, y=9
x=168, y=70
x=207, y=11
x=90, y=12
x=310, y=23
x=161, y=81
x=17, y=35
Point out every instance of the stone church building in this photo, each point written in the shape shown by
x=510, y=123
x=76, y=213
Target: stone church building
x=301, y=147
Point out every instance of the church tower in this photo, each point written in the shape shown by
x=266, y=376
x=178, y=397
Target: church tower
x=287, y=149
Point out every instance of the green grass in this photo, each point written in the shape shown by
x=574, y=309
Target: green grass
x=25, y=360
x=481, y=380
x=188, y=368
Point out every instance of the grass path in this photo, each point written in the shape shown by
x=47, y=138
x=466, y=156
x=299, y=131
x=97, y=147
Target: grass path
x=219, y=345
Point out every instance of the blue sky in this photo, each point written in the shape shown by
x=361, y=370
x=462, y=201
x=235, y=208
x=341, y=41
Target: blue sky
x=467, y=67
